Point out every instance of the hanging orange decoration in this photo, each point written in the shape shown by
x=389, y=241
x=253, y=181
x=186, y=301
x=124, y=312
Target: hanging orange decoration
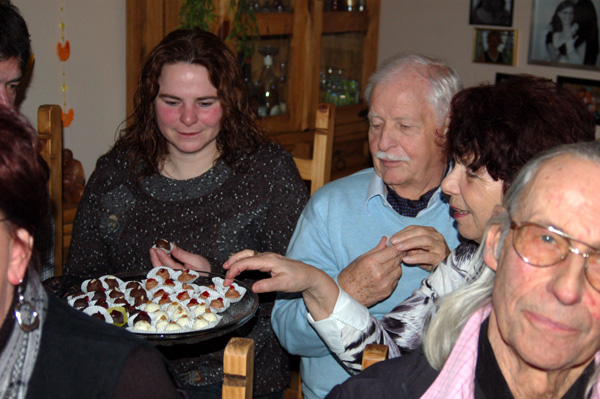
x=64, y=52
x=66, y=118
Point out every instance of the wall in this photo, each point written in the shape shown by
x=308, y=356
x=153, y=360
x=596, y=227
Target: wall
x=95, y=72
x=441, y=28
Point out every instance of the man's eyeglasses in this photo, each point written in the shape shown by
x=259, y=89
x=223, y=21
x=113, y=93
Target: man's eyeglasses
x=544, y=246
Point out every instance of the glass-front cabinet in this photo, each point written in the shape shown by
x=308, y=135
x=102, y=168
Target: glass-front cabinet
x=309, y=51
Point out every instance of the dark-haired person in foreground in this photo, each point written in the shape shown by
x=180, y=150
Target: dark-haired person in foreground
x=47, y=348
x=528, y=326
x=15, y=52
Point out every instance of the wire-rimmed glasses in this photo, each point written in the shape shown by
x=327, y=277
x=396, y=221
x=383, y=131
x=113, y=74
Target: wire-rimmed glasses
x=544, y=246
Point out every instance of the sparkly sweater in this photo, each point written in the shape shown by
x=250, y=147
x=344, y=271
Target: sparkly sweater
x=216, y=214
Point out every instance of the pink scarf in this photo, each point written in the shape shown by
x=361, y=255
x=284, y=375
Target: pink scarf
x=457, y=378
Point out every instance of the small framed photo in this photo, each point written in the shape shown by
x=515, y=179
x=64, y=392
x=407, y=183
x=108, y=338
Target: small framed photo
x=564, y=33
x=587, y=90
x=491, y=12
x=501, y=77
x=495, y=46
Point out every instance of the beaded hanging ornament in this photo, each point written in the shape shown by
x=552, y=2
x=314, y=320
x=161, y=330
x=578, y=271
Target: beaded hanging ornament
x=63, y=50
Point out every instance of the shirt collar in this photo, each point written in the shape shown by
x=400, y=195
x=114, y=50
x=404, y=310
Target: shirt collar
x=377, y=188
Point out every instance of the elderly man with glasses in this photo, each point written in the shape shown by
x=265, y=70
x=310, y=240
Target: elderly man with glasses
x=528, y=324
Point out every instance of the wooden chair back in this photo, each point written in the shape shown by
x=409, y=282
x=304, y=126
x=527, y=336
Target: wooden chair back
x=238, y=368
x=50, y=129
x=373, y=353
x=318, y=168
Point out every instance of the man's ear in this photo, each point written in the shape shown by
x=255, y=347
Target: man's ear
x=492, y=241
x=21, y=249
x=441, y=132
x=446, y=126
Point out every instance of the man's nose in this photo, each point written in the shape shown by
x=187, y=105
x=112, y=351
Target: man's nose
x=387, y=139
x=569, y=279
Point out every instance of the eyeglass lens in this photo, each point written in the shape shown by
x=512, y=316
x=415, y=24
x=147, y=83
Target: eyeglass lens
x=539, y=246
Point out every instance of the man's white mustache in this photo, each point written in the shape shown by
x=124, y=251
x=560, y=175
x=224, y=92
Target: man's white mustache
x=384, y=156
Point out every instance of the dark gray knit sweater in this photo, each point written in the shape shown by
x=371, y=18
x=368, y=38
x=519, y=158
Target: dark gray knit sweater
x=216, y=214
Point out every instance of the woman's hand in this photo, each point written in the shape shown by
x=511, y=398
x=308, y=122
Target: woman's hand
x=319, y=290
x=187, y=260
x=573, y=30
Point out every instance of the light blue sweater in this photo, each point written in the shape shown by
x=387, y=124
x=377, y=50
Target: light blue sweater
x=342, y=221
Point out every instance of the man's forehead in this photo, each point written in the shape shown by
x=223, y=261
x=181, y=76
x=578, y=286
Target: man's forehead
x=401, y=97
x=408, y=78
x=564, y=192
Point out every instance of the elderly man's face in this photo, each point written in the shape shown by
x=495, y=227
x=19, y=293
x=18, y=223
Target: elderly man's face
x=10, y=76
x=402, y=136
x=549, y=317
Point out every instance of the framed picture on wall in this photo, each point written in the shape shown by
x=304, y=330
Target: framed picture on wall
x=495, y=46
x=586, y=90
x=565, y=34
x=491, y=12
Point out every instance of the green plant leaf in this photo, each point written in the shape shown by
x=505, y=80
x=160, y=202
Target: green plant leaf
x=197, y=13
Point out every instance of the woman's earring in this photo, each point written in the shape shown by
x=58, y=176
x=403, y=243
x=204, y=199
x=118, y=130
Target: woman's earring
x=25, y=313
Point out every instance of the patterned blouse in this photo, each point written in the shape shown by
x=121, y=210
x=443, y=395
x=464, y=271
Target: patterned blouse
x=351, y=327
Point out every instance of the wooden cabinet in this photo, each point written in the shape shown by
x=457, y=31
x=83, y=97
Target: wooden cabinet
x=309, y=40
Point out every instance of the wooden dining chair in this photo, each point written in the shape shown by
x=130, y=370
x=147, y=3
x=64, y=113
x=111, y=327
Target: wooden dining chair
x=373, y=353
x=238, y=368
x=318, y=168
x=50, y=129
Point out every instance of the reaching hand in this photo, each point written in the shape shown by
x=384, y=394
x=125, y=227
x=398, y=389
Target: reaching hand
x=187, y=260
x=287, y=275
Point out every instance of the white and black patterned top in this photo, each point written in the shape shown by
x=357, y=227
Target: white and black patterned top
x=351, y=327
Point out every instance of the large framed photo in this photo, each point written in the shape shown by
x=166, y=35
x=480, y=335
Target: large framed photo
x=495, y=46
x=587, y=90
x=491, y=12
x=565, y=33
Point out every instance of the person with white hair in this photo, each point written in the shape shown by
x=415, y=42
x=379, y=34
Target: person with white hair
x=341, y=229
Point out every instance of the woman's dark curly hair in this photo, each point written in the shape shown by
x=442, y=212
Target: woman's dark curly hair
x=142, y=140
x=500, y=127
